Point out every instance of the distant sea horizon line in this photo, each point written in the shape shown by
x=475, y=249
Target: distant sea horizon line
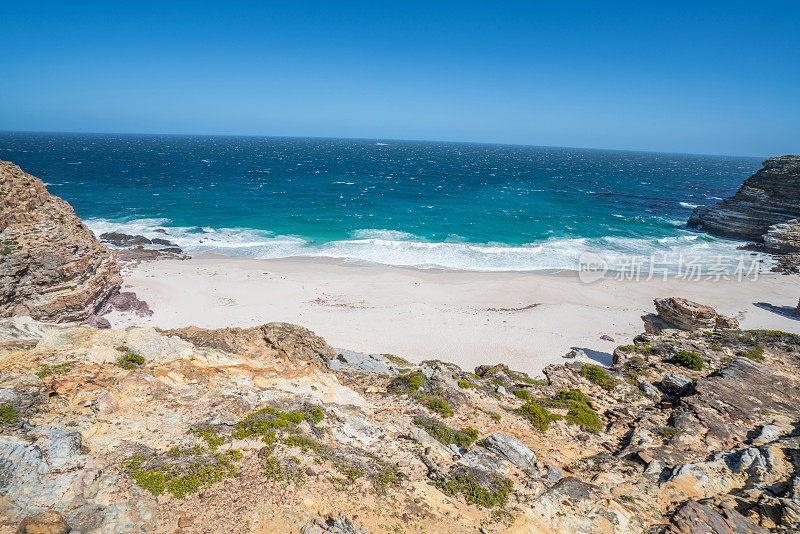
x=389, y=139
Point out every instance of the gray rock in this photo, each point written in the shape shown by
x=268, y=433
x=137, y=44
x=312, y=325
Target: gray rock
x=365, y=363
x=511, y=449
x=553, y=474
x=769, y=433
x=649, y=390
x=675, y=384
x=575, y=353
x=340, y=524
x=501, y=390
x=456, y=450
x=61, y=445
x=479, y=458
x=9, y=397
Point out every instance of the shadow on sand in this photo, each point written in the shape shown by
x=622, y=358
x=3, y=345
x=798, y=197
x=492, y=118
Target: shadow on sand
x=603, y=358
x=785, y=311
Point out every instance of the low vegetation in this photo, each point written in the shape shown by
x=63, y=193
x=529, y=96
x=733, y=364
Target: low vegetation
x=446, y=435
x=690, y=360
x=599, y=376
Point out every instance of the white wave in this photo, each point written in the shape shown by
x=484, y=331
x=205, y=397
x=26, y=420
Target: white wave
x=391, y=247
x=688, y=205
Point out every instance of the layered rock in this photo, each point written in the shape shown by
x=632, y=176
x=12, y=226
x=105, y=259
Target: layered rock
x=51, y=265
x=783, y=238
x=248, y=430
x=770, y=196
x=683, y=314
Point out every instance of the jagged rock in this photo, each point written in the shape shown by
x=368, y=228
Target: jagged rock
x=729, y=404
x=676, y=384
x=136, y=255
x=695, y=518
x=51, y=266
x=124, y=240
x=575, y=506
x=271, y=339
x=95, y=321
x=48, y=522
x=340, y=524
x=650, y=390
x=783, y=238
x=770, y=196
x=361, y=362
x=687, y=315
x=126, y=301
x=511, y=449
x=575, y=353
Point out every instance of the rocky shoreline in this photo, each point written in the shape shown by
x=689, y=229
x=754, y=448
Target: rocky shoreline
x=694, y=427
x=764, y=210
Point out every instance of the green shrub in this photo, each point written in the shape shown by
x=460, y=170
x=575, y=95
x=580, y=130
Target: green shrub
x=572, y=395
x=130, y=361
x=580, y=414
x=466, y=482
x=687, y=359
x=446, y=435
x=598, y=375
x=539, y=416
x=437, y=404
x=755, y=353
x=465, y=384
x=8, y=415
x=408, y=383
x=522, y=394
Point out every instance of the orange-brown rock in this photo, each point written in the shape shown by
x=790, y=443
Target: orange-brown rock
x=51, y=265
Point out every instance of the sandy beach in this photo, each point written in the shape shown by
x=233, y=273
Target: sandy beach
x=526, y=320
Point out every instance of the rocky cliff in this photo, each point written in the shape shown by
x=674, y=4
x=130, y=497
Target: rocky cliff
x=770, y=196
x=51, y=266
x=267, y=429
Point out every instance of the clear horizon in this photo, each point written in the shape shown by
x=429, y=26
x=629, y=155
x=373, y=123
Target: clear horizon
x=715, y=79
x=200, y=134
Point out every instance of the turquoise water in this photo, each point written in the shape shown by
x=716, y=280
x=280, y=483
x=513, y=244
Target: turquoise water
x=425, y=204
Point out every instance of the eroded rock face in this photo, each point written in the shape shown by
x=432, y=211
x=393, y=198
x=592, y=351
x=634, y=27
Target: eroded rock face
x=271, y=339
x=783, y=238
x=51, y=266
x=769, y=197
x=687, y=315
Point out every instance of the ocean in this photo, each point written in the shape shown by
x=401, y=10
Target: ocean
x=423, y=204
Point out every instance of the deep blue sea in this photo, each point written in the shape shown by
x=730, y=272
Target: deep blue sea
x=424, y=204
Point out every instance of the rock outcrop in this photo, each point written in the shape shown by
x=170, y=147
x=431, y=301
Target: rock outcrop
x=770, y=196
x=783, y=238
x=51, y=265
x=251, y=430
x=683, y=314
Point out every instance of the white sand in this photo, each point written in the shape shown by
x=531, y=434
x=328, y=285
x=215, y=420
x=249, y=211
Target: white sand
x=455, y=316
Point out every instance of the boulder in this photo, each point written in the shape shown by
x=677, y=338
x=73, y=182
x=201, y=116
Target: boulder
x=48, y=522
x=684, y=314
x=52, y=267
x=675, y=384
x=361, y=362
x=511, y=449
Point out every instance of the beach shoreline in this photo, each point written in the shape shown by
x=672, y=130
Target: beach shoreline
x=526, y=320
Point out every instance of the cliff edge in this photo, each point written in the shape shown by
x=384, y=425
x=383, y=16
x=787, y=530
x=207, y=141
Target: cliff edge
x=771, y=196
x=51, y=265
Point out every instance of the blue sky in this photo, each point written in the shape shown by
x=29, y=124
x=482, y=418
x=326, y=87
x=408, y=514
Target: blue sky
x=701, y=77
